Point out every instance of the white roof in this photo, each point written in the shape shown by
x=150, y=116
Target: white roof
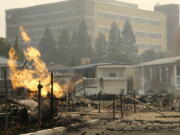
x=112, y=66
x=168, y=60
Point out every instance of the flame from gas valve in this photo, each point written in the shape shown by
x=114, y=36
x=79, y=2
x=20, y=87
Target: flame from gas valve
x=29, y=77
x=24, y=35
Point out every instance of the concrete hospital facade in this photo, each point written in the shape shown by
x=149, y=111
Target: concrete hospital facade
x=148, y=26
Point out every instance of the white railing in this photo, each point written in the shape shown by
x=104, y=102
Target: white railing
x=114, y=78
x=86, y=83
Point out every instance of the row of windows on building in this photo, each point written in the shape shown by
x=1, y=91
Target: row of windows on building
x=148, y=34
x=117, y=3
x=163, y=74
x=160, y=74
x=44, y=17
x=178, y=75
x=148, y=46
x=113, y=16
x=40, y=31
x=36, y=34
x=41, y=10
x=113, y=75
x=137, y=33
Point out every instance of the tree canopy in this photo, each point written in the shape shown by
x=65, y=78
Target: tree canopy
x=101, y=50
x=47, y=47
x=119, y=47
x=63, y=47
x=128, y=42
x=115, y=53
x=84, y=47
x=4, y=47
x=19, y=51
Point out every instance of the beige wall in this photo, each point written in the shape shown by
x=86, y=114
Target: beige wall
x=115, y=86
x=137, y=26
x=112, y=85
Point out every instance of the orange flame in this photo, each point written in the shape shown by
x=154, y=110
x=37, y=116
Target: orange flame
x=24, y=35
x=29, y=78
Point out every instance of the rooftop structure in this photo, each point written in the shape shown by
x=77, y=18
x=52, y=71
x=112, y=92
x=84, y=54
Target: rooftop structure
x=168, y=60
x=172, y=11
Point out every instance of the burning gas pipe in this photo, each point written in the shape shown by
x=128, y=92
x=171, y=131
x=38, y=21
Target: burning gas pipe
x=29, y=77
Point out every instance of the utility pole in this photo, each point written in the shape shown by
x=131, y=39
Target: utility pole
x=69, y=101
x=99, y=101
x=143, y=76
x=114, y=109
x=52, y=95
x=134, y=95
x=84, y=86
x=101, y=81
x=6, y=100
x=39, y=103
x=121, y=106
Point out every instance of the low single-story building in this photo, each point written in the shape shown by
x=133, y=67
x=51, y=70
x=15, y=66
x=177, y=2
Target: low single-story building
x=153, y=76
x=114, y=78
x=157, y=75
x=90, y=79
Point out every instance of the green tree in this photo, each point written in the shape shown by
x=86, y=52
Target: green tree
x=100, y=48
x=150, y=55
x=18, y=50
x=73, y=50
x=63, y=48
x=115, y=53
x=84, y=48
x=4, y=47
x=47, y=47
x=128, y=42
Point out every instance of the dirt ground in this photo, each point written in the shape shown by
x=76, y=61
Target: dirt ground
x=135, y=124
x=102, y=130
x=105, y=128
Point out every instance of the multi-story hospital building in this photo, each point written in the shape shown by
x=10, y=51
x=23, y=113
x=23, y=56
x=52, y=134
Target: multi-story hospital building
x=148, y=26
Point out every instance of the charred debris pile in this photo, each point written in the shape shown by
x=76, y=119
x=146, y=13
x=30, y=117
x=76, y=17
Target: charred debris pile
x=22, y=115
